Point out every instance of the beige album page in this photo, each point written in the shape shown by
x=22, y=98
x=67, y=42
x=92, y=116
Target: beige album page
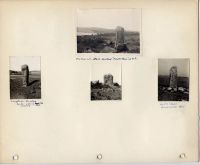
x=98, y=81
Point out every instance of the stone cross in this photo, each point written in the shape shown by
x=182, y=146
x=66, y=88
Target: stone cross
x=173, y=77
x=25, y=75
x=108, y=79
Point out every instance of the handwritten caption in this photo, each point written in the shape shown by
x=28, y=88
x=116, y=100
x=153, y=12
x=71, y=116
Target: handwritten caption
x=172, y=105
x=107, y=58
x=27, y=103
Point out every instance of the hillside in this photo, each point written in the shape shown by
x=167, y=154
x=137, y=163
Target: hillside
x=94, y=30
x=98, y=30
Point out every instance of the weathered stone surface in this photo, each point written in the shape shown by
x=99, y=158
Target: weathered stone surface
x=119, y=35
x=181, y=89
x=173, y=77
x=169, y=88
x=108, y=79
x=120, y=45
x=25, y=75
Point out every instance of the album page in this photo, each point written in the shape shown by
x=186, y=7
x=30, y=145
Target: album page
x=98, y=81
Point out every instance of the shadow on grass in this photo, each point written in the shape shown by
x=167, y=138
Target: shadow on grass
x=34, y=81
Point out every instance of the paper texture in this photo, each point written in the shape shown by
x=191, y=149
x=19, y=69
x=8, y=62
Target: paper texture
x=68, y=126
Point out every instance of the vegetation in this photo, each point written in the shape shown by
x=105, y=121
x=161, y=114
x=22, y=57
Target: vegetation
x=100, y=91
x=167, y=94
x=32, y=91
x=105, y=43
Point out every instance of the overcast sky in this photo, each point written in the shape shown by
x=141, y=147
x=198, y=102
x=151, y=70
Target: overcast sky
x=33, y=62
x=164, y=66
x=99, y=70
x=130, y=19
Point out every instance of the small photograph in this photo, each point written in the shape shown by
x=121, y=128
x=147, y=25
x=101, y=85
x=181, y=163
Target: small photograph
x=173, y=79
x=25, y=77
x=108, y=30
x=106, y=82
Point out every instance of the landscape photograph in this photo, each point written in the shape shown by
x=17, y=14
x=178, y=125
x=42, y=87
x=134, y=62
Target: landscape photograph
x=25, y=77
x=106, y=82
x=173, y=79
x=108, y=31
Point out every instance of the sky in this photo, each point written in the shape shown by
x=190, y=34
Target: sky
x=164, y=66
x=99, y=70
x=130, y=19
x=33, y=62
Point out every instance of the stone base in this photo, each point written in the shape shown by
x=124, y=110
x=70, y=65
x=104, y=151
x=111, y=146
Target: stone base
x=24, y=82
x=172, y=89
x=121, y=48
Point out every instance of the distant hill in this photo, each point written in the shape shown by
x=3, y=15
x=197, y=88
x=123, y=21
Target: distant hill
x=96, y=30
x=35, y=72
x=13, y=72
x=164, y=81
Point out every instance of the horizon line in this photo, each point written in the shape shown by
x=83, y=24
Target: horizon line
x=106, y=28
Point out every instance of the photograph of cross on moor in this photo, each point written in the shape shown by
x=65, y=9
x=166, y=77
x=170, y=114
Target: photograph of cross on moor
x=173, y=79
x=25, y=78
x=108, y=30
x=103, y=86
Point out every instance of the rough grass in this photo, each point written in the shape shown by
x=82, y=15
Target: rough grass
x=105, y=43
x=105, y=92
x=32, y=91
x=165, y=95
x=182, y=81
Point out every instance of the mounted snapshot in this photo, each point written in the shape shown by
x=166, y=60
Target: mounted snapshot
x=108, y=31
x=173, y=79
x=25, y=77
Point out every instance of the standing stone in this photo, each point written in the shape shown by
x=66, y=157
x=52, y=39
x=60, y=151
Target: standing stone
x=120, y=45
x=173, y=77
x=108, y=79
x=119, y=36
x=25, y=75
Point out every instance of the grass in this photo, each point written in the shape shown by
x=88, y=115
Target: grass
x=105, y=43
x=166, y=95
x=32, y=91
x=105, y=92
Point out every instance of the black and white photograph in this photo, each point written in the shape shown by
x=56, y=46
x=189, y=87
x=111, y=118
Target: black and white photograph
x=173, y=79
x=25, y=77
x=106, y=82
x=108, y=30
